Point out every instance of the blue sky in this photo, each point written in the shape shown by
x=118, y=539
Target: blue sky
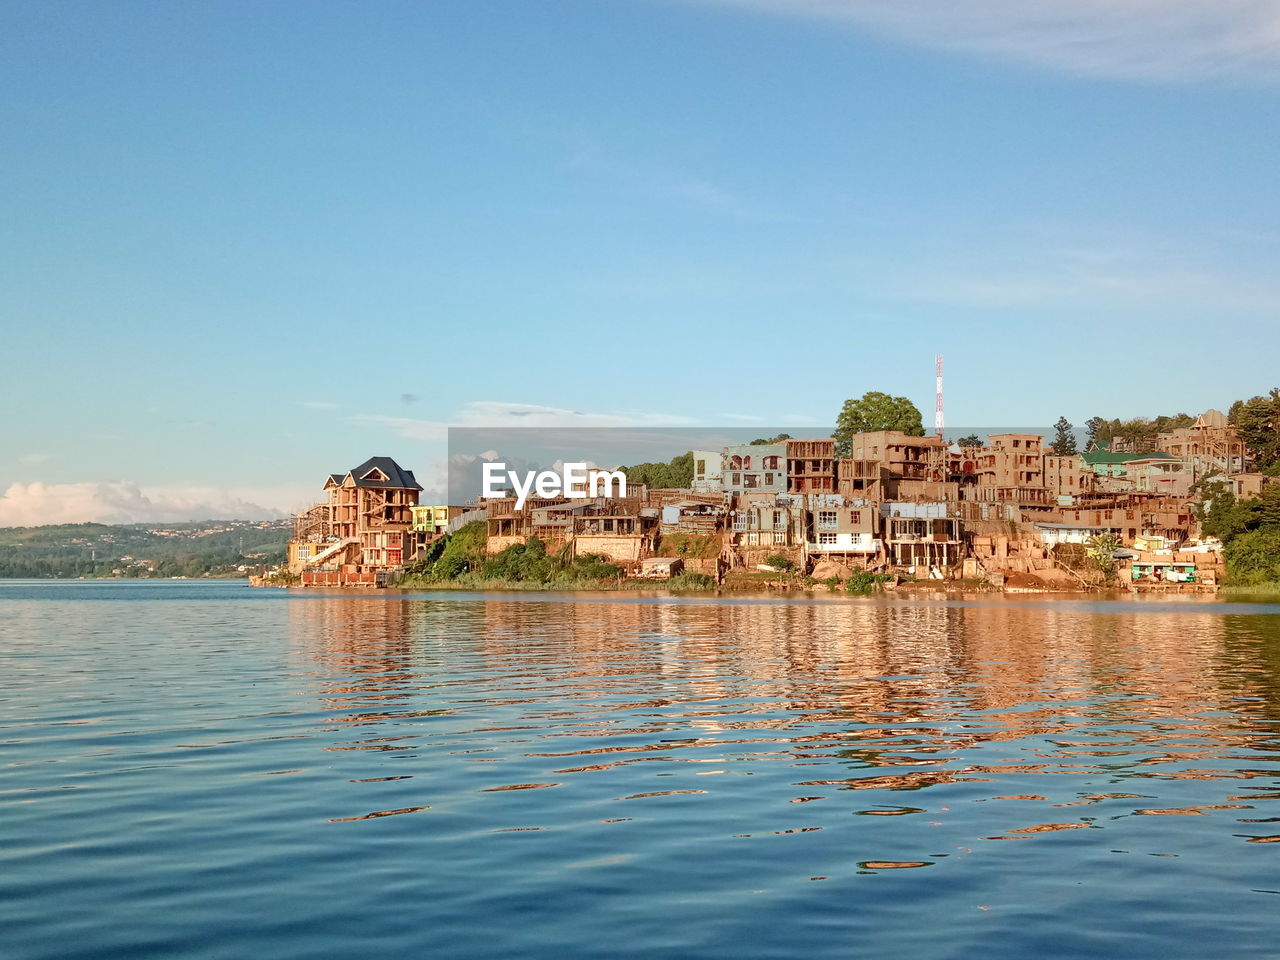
x=247, y=244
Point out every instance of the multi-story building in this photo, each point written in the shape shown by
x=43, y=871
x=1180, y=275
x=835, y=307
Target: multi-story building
x=1010, y=468
x=811, y=466
x=754, y=468
x=707, y=468
x=1067, y=477
x=1209, y=444
x=838, y=528
x=358, y=536
x=901, y=456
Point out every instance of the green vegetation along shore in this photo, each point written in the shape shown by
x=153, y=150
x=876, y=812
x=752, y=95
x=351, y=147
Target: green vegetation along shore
x=213, y=548
x=459, y=561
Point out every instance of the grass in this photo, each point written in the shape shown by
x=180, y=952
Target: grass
x=1253, y=591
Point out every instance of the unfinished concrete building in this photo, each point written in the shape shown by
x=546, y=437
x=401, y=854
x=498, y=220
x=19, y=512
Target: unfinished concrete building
x=1209, y=444
x=811, y=466
x=902, y=456
x=860, y=479
x=621, y=531
x=357, y=537
x=1010, y=469
x=1066, y=478
x=926, y=537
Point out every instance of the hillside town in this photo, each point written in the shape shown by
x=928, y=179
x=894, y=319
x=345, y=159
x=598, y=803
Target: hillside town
x=1010, y=513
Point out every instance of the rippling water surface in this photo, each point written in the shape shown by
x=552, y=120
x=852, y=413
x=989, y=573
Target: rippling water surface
x=204, y=770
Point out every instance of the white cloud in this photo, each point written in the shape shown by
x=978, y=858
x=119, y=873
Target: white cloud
x=320, y=404
x=1084, y=275
x=1138, y=39
x=37, y=503
x=495, y=413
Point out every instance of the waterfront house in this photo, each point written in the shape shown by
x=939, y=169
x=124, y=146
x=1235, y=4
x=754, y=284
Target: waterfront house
x=358, y=536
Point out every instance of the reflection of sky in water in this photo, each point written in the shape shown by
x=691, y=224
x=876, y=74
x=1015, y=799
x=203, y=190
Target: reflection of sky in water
x=453, y=775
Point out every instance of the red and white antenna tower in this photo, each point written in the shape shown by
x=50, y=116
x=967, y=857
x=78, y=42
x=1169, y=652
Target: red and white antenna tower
x=937, y=416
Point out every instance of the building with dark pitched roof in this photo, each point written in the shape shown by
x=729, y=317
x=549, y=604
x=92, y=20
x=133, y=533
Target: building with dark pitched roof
x=359, y=536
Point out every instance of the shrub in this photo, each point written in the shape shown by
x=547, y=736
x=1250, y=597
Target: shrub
x=691, y=581
x=780, y=561
x=1253, y=558
x=863, y=581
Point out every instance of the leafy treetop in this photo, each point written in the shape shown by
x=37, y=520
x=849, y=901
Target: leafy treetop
x=875, y=411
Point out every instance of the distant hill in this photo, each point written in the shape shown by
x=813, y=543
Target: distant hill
x=139, y=550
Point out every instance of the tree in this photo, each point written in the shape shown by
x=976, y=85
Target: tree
x=1253, y=557
x=765, y=441
x=875, y=411
x=1093, y=425
x=675, y=474
x=1258, y=421
x=1064, y=439
x=972, y=440
x=1101, y=550
x=1225, y=518
x=1228, y=518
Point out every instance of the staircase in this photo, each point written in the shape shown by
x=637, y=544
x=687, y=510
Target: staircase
x=332, y=549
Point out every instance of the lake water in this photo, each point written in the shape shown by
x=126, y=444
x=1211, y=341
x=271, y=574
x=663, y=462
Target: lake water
x=198, y=769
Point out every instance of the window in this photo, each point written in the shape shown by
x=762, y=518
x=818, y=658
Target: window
x=771, y=463
x=768, y=479
x=753, y=538
x=736, y=479
x=304, y=551
x=826, y=518
x=827, y=539
x=779, y=537
x=700, y=467
x=777, y=518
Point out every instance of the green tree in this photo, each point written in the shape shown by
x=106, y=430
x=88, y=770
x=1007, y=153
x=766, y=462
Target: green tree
x=1064, y=438
x=676, y=473
x=875, y=411
x=1101, y=550
x=1224, y=518
x=763, y=441
x=972, y=440
x=1258, y=421
x=1253, y=557
x=1093, y=426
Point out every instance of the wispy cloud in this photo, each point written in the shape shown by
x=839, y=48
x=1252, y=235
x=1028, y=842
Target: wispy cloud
x=37, y=503
x=655, y=170
x=320, y=404
x=495, y=413
x=1084, y=275
x=1136, y=39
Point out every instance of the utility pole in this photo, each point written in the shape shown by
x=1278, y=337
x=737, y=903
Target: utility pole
x=937, y=416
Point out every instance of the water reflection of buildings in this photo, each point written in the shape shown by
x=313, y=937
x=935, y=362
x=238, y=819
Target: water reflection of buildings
x=905, y=684
x=897, y=694
x=355, y=653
